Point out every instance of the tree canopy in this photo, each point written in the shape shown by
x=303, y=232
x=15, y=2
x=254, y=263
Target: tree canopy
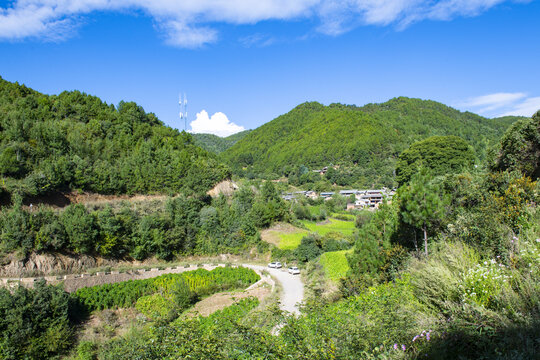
x=519, y=148
x=364, y=141
x=440, y=154
x=216, y=144
x=76, y=141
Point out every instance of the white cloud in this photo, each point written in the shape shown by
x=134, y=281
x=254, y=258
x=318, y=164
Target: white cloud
x=525, y=108
x=257, y=39
x=218, y=124
x=187, y=23
x=502, y=104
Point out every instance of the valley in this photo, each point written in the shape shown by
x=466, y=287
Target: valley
x=122, y=238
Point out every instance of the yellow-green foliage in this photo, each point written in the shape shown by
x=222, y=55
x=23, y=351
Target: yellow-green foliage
x=334, y=225
x=384, y=315
x=200, y=281
x=236, y=312
x=335, y=264
x=154, y=306
x=292, y=240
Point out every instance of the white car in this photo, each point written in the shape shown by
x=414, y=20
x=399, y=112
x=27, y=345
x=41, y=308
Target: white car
x=294, y=270
x=275, y=265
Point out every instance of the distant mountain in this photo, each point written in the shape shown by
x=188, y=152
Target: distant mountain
x=75, y=141
x=216, y=144
x=364, y=141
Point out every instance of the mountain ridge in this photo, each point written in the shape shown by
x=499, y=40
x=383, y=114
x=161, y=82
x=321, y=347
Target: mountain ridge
x=373, y=135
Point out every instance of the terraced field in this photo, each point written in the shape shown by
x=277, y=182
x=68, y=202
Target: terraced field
x=335, y=264
x=290, y=239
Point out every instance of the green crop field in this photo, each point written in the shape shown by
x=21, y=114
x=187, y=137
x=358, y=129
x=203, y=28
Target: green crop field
x=332, y=225
x=291, y=241
x=335, y=264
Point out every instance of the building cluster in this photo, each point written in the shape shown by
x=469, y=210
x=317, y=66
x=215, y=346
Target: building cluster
x=364, y=199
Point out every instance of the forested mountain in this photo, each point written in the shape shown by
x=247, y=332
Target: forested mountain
x=365, y=141
x=216, y=144
x=76, y=141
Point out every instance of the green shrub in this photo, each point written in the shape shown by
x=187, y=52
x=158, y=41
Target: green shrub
x=201, y=282
x=86, y=350
x=308, y=249
x=154, y=306
x=34, y=323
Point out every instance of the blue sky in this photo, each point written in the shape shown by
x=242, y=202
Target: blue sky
x=244, y=62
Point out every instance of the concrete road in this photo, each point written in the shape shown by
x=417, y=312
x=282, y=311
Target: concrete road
x=293, y=288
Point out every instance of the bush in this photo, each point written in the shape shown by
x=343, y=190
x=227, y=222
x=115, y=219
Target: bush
x=308, y=249
x=34, y=323
x=201, y=282
x=155, y=306
x=483, y=282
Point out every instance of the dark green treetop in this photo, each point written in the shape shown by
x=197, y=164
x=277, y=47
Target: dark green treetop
x=440, y=154
x=519, y=148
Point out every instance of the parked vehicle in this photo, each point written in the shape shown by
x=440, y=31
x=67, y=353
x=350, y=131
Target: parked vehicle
x=294, y=270
x=275, y=265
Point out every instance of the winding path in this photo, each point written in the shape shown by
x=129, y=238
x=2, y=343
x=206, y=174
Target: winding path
x=293, y=288
x=291, y=296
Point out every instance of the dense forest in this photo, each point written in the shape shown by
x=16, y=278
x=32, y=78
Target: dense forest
x=182, y=226
x=216, y=144
x=74, y=141
x=364, y=141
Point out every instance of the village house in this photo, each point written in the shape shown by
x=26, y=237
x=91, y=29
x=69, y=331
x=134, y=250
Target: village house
x=327, y=195
x=371, y=198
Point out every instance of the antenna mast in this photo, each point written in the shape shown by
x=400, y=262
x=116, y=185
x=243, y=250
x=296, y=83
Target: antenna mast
x=183, y=109
x=185, y=112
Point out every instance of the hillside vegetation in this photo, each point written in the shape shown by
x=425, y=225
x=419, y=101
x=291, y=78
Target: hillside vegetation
x=76, y=141
x=217, y=144
x=365, y=141
x=450, y=269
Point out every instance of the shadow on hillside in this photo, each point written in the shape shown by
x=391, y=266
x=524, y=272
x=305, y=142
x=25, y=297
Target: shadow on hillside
x=55, y=198
x=517, y=343
x=5, y=198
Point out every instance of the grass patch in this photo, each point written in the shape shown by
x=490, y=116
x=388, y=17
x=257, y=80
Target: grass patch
x=344, y=215
x=291, y=240
x=331, y=225
x=335, y=264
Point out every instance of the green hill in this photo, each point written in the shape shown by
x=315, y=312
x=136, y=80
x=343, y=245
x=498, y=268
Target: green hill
x=364, y=141
x=216, y=144
x=76, y=141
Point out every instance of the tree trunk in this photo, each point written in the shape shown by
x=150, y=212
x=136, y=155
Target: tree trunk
x=425, y=240
x=415, y=243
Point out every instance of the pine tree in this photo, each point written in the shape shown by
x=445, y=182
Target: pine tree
x=421, y=204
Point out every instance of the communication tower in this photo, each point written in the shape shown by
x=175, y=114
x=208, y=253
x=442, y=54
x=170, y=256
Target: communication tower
x=183, y=109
